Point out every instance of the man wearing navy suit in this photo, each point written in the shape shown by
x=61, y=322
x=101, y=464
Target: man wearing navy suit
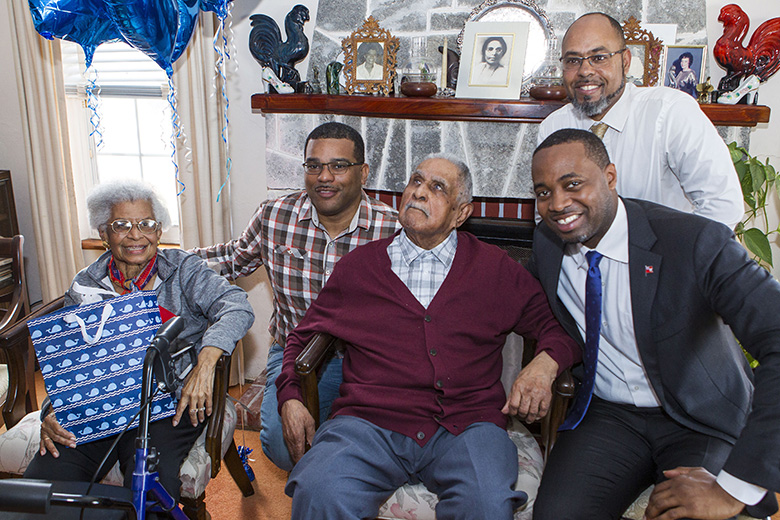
x=655, y=298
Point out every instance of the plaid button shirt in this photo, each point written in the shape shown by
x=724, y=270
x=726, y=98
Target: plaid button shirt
x=421, y=270
x=298, y=255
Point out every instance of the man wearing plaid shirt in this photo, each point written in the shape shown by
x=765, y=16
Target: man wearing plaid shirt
x=299, y=238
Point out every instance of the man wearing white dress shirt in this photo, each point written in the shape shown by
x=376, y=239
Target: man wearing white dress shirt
x=663, y=145
x=655, y=298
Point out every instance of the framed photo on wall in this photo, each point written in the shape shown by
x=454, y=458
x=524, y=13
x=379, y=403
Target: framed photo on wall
x=684, y=67
x=369, y=59
x=492, y=59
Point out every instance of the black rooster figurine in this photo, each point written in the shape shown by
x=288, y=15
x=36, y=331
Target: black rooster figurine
x=267, y=47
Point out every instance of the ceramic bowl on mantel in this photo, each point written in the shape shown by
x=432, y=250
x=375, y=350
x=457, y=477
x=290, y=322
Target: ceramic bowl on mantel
x=544, y=92
x=418, y=84
x=418, y=88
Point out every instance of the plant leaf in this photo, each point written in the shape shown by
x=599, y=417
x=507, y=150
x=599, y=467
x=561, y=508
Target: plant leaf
x=758, y=244
x=757, y=174
x=770, y=172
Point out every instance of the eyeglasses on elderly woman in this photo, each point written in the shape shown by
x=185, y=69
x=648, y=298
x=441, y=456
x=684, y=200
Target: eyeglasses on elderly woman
x=122, y=226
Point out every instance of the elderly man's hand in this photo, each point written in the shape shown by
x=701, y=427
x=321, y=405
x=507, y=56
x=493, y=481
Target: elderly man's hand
x=199, y=387
x=531, y=392
x=691, y=493
x=52, y=432
x=297, y=427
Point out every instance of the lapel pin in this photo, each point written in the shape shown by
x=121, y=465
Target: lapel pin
x=648, y=269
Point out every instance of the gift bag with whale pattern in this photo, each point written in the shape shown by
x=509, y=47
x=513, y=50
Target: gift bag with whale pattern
x=91, y=359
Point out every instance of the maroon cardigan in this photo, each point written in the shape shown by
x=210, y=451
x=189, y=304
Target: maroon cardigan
x=409, y=369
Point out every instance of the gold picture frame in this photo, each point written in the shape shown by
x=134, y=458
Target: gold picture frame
x=646, y=52
x=363, y=72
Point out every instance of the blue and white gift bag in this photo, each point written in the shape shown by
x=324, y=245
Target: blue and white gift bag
x=91, y=357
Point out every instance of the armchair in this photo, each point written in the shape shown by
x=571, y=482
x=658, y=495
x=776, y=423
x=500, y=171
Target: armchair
x=322, y=346
x=13, y=295
x=515, y=237
x=20, y=443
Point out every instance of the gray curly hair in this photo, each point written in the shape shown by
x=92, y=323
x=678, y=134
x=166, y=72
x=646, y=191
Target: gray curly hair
x=466, y=191
x=104, y=197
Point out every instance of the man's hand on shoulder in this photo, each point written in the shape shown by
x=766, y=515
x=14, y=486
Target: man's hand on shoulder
x=531, y=392
x=691, y=493
x=297, y=427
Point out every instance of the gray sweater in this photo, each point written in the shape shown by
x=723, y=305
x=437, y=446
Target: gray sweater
x=215, y=313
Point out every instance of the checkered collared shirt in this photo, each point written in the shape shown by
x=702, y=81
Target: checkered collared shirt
x=422, y=270
x=298, y=255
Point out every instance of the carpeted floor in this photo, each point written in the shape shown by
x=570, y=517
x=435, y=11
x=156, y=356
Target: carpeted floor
x=225, y=502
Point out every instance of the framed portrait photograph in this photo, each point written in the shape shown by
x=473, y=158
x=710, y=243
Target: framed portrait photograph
x=684, y=67
x=646, y=52
x=492, y=59
x=369, y=59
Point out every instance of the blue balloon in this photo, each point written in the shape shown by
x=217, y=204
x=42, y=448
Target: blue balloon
x=150, y=26
x=215, y=6
x=86, y=22
x=188, y=18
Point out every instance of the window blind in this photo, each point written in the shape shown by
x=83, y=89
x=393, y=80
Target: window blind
x=121, y=71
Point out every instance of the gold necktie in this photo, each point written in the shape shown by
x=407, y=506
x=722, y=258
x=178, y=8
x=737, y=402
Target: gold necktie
x=599, y=129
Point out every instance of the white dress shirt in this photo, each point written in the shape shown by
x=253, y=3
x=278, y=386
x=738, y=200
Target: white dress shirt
x=665, y=150
x=620, y=374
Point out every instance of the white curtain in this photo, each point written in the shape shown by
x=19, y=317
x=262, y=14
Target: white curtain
x=44, y=122
x=201, y=151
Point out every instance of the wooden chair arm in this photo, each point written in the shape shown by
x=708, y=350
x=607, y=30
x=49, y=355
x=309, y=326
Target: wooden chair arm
x=217, y=420
x=15, y=348
x=563, y=391
x=18, y=306
x=308, y=362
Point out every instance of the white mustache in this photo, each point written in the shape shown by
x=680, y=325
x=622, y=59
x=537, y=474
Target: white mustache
x=415, y=206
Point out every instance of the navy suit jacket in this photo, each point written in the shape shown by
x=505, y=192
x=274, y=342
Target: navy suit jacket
x=693, y=289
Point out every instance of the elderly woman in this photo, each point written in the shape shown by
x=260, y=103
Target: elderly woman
x=130, y=218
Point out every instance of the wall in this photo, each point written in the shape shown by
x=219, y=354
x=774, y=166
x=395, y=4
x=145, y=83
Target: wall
x=498, y=154
x=764, y=141
x=247, y=183
x=12, y=151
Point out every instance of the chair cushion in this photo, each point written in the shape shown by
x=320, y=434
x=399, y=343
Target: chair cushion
x=415, y=502
x=3, y=382
x=20, y=444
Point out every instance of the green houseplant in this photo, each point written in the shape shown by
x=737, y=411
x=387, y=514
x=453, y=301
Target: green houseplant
x=758, y=184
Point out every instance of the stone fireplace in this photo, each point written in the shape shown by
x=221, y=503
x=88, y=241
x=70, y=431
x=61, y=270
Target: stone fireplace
x=498, y=153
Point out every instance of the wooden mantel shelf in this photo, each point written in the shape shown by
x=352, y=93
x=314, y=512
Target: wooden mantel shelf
x=451, y=109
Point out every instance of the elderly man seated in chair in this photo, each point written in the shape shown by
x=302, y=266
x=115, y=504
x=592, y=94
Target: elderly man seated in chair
x=424, y=315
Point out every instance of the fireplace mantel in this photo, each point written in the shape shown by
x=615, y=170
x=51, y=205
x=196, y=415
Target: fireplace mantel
x=451, y=109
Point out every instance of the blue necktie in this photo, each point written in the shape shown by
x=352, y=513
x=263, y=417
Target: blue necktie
x=592, y=330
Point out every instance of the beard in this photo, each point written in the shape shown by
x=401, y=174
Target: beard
x=594, y=108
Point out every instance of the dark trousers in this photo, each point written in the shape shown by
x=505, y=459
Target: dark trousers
x=80, y=463
x=598, y=469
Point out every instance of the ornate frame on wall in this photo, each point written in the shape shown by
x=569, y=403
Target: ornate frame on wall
x=369, y=33
x=635, y=35
x=539, y=35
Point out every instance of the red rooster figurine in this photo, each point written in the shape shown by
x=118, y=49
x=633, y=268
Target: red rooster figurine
x=762, y=55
